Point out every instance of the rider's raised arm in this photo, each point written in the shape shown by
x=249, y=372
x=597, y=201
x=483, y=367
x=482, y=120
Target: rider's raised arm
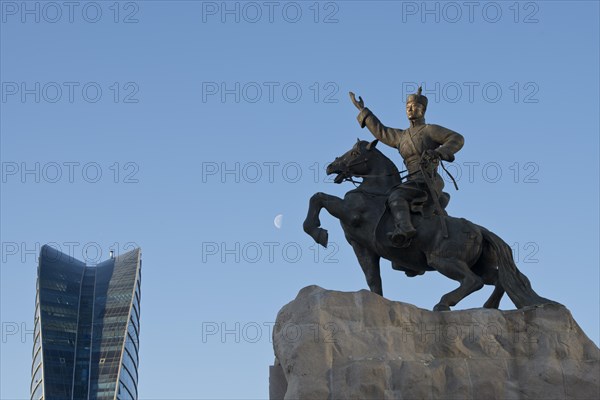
x=389, y=136
x=450, y=142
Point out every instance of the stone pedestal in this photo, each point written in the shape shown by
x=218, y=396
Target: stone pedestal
x=338, y=345
x=277, y=381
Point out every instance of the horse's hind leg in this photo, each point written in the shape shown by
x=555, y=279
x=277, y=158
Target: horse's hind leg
x=369, y=262
x=459, y=271
x=495, y=297
x=485, y=267
x=490, y=277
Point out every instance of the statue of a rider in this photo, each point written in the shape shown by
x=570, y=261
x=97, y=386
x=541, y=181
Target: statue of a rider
x=417, y=143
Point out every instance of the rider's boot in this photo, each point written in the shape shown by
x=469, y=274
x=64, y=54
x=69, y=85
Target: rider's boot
x=405, y=231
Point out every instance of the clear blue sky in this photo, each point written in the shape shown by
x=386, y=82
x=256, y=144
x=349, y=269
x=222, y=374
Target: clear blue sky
x=185, y=129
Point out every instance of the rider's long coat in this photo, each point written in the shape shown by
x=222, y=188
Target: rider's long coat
x=413, y=141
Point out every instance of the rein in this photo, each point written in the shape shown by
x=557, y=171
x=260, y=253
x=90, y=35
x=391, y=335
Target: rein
x=365, y=160
x=402, y=178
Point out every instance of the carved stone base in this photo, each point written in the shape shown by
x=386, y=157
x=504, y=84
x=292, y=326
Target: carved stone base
x=337, y=345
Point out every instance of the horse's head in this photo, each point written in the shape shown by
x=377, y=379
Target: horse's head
x=357, y=161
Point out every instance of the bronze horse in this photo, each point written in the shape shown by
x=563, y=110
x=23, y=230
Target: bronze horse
x=471, y=254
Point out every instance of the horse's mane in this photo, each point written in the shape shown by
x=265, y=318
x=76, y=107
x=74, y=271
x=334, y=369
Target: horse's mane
x=392, y=166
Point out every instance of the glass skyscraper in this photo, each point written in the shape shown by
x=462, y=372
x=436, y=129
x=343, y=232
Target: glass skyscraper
x=86, y=328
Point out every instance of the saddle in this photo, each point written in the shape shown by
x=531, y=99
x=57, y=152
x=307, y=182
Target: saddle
x=425, y=206
x=422, y=205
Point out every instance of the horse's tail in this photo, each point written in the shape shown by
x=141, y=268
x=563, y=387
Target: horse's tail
x=516, y=284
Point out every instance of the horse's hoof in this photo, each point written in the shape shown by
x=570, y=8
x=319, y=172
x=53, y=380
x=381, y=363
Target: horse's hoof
x=322, y=237
x=441, y=307
x=491, y=305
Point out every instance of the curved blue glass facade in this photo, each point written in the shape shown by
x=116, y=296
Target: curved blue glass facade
x=86, y=335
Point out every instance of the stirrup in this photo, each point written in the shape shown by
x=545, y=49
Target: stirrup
x=401, y=238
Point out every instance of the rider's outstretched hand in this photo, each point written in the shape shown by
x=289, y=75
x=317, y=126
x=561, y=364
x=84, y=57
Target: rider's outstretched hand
x=360, y=104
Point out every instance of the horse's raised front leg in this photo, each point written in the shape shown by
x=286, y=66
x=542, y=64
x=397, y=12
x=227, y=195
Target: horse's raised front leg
x=312, y=224
x=369, y=262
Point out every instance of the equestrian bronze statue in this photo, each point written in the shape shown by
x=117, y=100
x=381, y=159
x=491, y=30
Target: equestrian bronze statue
x=434, y=141
x=404, y=220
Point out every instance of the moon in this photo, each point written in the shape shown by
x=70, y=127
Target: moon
x=278, y=221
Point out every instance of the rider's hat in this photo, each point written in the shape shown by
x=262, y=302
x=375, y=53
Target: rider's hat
x=417, y=97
